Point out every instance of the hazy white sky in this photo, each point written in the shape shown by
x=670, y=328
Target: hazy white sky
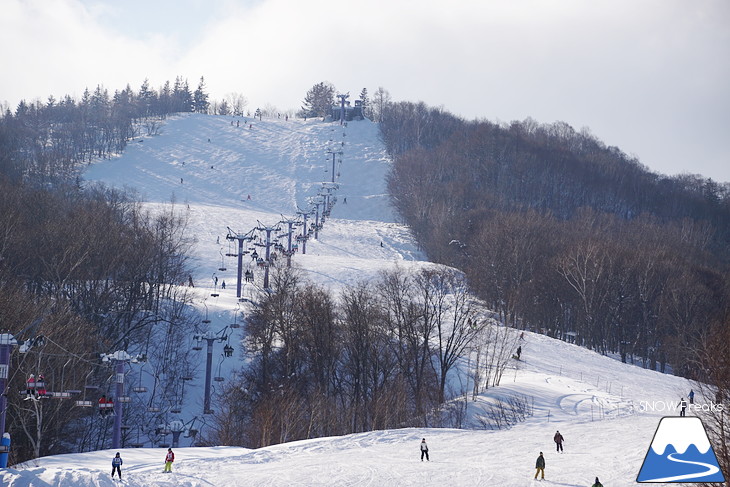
x=649, y=76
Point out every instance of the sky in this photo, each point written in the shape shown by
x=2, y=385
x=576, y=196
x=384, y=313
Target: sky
x=649, y=77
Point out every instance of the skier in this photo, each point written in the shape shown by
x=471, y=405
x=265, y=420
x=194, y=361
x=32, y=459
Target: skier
x=30, y=387
x=424, y=450
x=190, y=281
x=540, y=466
x=683, y=405
x=102, y=405
x=519, y=352
x=169, y=458
x=223, y=284
x=40, y=385
x=691, y=396
x=597, y=484
x=117, y=465
x=558, y=439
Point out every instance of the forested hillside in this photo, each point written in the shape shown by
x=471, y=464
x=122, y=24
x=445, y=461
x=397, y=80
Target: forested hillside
x=83, y=270
x=563, y=234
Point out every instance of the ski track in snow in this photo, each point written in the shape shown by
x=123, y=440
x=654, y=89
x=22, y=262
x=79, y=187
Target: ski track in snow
x=590, y=398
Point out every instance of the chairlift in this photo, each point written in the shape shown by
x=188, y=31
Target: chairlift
x=175, y=410
x=223, y=266
x=219, y=377
x=230, y=252
x=140, y=388
x=235, y=324
x=84, y=403
x=153, y=409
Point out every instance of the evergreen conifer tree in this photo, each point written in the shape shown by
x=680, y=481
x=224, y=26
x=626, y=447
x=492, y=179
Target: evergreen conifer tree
x=200, y=98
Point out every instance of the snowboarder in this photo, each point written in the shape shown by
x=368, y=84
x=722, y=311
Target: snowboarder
x=558, y=439
x=691, y=396
x=597, y=483
x=683, y=405
x=424, y=450
x=519, y=352
x=117, y=465
x=540, y=466
x=223, y=284
x=169, y=458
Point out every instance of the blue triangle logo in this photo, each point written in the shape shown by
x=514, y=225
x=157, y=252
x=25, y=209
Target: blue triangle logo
x=680, y=452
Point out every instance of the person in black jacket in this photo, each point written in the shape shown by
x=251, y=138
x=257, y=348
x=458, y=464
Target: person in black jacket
x=540, y=466
x=558, y=439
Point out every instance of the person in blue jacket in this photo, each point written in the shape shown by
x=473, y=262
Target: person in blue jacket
x=117, y=465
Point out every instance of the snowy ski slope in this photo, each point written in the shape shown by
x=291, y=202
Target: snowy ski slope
x=209, y=166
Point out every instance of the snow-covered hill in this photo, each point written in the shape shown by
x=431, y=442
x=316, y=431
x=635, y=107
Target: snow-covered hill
x=209, y=166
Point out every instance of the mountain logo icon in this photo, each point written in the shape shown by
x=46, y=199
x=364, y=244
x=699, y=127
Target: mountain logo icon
x=680, y=452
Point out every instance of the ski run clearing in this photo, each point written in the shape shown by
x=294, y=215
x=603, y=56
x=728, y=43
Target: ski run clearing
x=208, y=166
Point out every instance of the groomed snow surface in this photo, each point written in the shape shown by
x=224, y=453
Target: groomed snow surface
x=209, y=166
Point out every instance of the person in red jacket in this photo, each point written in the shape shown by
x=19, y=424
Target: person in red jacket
x=30, y=386
x=169, y=458
x=40, y=385
x=102, y=405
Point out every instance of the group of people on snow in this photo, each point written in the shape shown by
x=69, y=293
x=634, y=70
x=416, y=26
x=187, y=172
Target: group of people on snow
x=539, y=463
x=117, y=463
